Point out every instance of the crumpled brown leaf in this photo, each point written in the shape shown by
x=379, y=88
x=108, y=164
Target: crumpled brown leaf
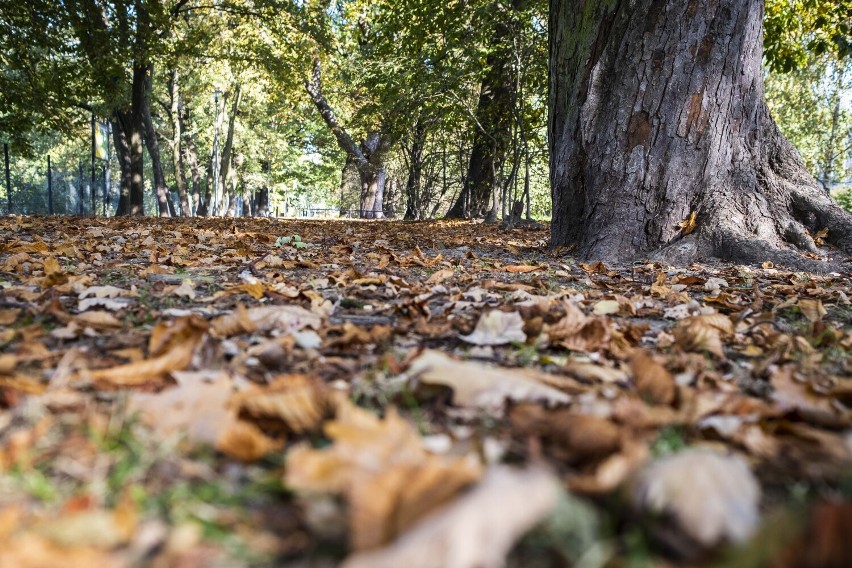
x=712, y=497
x=497, y=328
x=704, y=333
x=652, y=380
x=475, y=384
x=573, y=437
x=171, y=347
x=383, y=471
x=475, y=531
x=299, y=402
x=285, y=319
x=579, y=332
x=197, y=407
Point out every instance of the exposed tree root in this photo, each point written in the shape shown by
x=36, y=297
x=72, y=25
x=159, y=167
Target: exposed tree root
x=753, y=227
x=770, y=211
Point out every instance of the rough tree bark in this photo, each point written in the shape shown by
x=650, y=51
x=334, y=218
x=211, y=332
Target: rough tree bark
x=368, y=156
x=657, y=112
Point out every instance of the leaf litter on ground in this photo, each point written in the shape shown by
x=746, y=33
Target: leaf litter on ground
x=263, y=392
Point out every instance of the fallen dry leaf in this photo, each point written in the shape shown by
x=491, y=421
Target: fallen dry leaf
x=478, y=385
x=285, y=319
x=382, y=469
x=299, y=402
x=521, y=268
x=577, y=438
x=172, y=346
x=475, y=531
x=813, y=310
x=688, y=225
x=497, y=328
x=711, y=496
x=652, y=380
x=440, y=276
x=704, y=333
x=577, y=331
x=197, y=407
x=245, y=441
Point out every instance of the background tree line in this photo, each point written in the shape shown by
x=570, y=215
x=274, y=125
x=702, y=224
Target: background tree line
x=414, y=109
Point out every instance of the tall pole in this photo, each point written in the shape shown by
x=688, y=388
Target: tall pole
x=106, y=168
x=94, y=191
x=81, y=201
x=8, y=179
x=49, y=188
x=216, y=154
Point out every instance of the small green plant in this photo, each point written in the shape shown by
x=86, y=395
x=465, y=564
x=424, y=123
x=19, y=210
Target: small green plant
x=293, y=240
x=670, y=440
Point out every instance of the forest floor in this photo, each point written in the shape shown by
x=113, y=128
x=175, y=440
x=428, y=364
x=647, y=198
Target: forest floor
x=296, y=393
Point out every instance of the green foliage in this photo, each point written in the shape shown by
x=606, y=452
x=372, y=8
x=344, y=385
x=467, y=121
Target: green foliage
x=844, y=198
x=293, y=240
x=808, y=105
x=795, y=30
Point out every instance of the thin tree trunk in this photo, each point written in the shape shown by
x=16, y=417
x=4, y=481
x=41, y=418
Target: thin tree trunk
x=830, y=154
x=122, y=151
x=176, y=110
x=8, y=179
x=135, y=135
x=415, y=167
x=153, y=144
x=226, y=161
x=49, y=187
x=191, y=157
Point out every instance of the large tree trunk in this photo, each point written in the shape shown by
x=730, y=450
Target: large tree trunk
x=656, y=113
x=372, y=193
x=153, y=144
x=493, y=123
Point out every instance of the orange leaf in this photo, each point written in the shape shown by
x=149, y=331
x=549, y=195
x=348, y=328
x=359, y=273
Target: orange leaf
x=522, y=268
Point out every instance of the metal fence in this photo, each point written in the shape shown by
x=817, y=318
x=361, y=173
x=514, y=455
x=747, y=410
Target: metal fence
x=333, y=212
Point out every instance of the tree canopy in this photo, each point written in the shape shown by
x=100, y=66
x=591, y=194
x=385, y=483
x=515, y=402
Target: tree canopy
x=456, y=90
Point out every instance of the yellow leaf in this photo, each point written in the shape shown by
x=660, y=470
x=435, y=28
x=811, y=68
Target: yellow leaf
x=688, y=225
